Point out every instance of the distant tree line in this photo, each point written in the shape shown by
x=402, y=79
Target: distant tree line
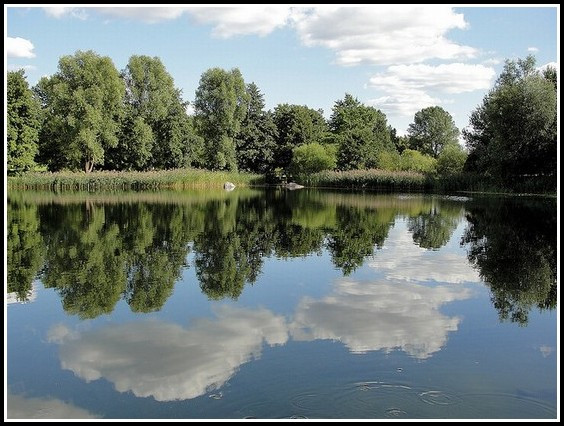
x=88, y=115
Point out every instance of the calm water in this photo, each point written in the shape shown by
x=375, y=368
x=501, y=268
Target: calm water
x=281, y=305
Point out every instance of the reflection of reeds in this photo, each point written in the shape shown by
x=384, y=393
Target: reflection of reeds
x=110, y=180
x=187, y=196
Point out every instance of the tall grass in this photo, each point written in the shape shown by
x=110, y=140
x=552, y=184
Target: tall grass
x=115, y=181
x=375, y=179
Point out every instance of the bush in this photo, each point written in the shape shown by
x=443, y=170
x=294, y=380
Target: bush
x=312, y=158
x=388, y=160
x=414, y=161
x=451, y=160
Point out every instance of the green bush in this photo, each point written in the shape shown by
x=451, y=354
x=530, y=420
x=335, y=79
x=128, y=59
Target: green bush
x=414, y=161
x=312, y=158
x=451, y=160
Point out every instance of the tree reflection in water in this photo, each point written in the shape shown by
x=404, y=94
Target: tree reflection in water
x=95, y=250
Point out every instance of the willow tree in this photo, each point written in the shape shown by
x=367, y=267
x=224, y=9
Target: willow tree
x=83, y=104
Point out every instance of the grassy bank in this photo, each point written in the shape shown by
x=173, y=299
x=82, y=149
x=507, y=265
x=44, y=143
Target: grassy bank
x=381, y=180
x=115, y=181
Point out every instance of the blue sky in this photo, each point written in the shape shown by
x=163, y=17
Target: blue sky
x=397, y=58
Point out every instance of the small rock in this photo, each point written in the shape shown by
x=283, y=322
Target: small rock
x=228, y=186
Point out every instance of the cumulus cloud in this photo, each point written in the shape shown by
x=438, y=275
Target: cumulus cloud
x=17, y=47
x=550, y=64
x=400, y=259
x=407, y=87
x=231, y=21
x=369, y=316
x=404, y=103
x=532, y=49
x=387, y=34
x=19, y=407
x=166, y=361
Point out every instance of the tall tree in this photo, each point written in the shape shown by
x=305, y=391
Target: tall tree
x=297, y=125
x=432, y=130
x=256, y=141
x=83, y=103
x=362, y=133
x=221, y=105
x=513, y=132
x=23, y=124
x=155, y=130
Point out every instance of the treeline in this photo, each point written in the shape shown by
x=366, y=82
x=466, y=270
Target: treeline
x=90, y=116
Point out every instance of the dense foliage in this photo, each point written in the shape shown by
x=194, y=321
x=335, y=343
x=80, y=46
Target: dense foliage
x=88, y=115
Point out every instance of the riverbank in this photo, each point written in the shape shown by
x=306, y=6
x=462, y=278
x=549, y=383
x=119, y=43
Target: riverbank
x=118, y=181
x=372, y=180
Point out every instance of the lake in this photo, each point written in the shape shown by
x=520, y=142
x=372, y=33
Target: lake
x=280, y=304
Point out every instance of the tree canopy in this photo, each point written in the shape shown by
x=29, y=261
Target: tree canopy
x=84, y=100
x=23, y=124
x=432, y=130
x=513, y=132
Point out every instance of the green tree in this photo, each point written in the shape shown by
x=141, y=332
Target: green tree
x=83, y=105
x=432, y=229
x=312, y=158
x=451, y=160
x=84, y=260
x=432, y=130
x=297, y=125
x=415, y=161
x=513, y=133
x=155, y=131
x=23, y=124
x=362, y=133
x=256, y=141
x=221, y=105
x=513, y=244
x=25, y=248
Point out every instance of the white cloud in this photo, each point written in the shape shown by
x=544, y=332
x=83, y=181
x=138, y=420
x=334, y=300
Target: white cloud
x=400, y=259
x=19, y=407
x=492, y=61
x=61, y=12
x=405, y=104
x=150, y=15
x=446, y=78
x=231, y=21
x=550, y=64
x=383, y=34
x=166, y=361
x=369, y=316
x=17, y=47
x=532, y=49
x=546, y=350
x=406, y=86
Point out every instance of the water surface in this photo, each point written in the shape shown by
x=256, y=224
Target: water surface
x=279, y=304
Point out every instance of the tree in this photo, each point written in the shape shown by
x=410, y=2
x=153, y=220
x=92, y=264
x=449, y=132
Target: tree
x=451, y=160
x=312, y=158
x=297, y=125
x=411, y=160
x=83, y=105
x=513, y=244
x=155, y=131
x=362, y=133
x=25, y=248
x=23, y=124
x=432, y=130
x=513, y=133
x=221, y=105
x=256, y=141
